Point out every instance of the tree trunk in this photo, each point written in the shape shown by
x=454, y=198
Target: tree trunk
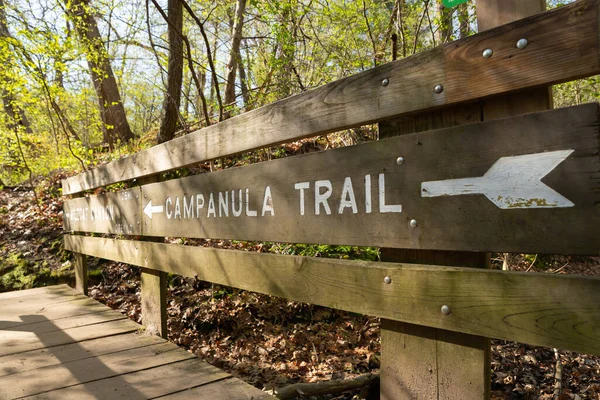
x=445, y=28
x=16, y=115
x=463, y=20
x=111, y=107
x=244, y=82
x=234, y=54
x=172, y=100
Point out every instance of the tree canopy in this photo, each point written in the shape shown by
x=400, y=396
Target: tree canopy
x=86, y=80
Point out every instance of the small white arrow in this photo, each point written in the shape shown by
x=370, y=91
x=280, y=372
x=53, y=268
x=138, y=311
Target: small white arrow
x=150, y=209
x=512, y=182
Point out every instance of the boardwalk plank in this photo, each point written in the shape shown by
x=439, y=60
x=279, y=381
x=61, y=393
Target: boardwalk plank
x=13, y=316
x=43, y=325
x=146, y=384
x=41, y=358
x=81, y=349
x=36, y=292
x=17, y=342
x=225, y=389
x=75, y=372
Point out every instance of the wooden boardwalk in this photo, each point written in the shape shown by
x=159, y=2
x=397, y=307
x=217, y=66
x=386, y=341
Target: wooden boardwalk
x=57, y=344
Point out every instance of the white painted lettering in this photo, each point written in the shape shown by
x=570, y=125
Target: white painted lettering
x=168, y=205
x=267, y=202
x=386, y=208
x=223, y=204
x=177, y=208
x=188, y=210
x=238, y=212
x=211, y=206
x=249, y=212
x=368, y=206
x=199, y=204
x=347, y=199
x=301, y=186
x=321, y=198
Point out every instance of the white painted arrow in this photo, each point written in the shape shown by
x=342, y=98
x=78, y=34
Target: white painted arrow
x=512, y=182
x=150, y=209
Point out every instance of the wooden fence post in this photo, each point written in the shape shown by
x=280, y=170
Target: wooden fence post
x=81, y=275
x=154, y=289
x=154, y=301
x=427, y=363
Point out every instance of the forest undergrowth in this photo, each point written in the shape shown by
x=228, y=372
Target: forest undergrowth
x=267, y=341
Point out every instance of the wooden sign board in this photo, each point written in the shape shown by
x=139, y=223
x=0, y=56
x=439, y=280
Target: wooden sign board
x=116, y=213
x=524, y=184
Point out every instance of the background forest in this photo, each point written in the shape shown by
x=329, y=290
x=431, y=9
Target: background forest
x=86, y=81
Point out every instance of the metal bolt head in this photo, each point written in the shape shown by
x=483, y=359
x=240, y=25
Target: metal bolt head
x=487, y=53
x=385, y=82
x=400, y=160
x=437, y=89
x=522, y=43
x=413, y=223
x=387, y=280
x=445, y=310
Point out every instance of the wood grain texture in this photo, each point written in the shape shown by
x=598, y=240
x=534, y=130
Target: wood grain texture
x=42, y=358
x=428, y=363
x=117, y=212
x=146, y=384
x=564, y=45
x=491, y=14
x=538, y=309
x=43, y=325
x=49, y=311
x=154, y=302
x=86, y=353
x=14, y=342
x=225, y=389
x=470, y=222
x=66, y=374
x=81, y=274
x=46, y=291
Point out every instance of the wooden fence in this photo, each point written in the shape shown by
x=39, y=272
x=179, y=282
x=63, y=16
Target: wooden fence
x=527, y=183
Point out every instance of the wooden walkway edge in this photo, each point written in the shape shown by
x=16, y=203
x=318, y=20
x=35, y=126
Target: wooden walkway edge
x=57, y=344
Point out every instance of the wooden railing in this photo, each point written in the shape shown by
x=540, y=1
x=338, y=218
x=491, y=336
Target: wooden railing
x=529, y=183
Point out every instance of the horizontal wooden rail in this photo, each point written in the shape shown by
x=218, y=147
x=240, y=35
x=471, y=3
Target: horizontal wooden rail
x=538, y=309
x=563, y=44
x=525, y=184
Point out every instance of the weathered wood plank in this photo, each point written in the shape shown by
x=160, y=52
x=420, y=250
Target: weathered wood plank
x=50, y=310
x=33, y=302
x=116, y=212
x=58, y=290
x=14, y=342
x=61, y=311
x=225, y=389
x=154, y=302
x=81, y=274
x=43, y=358
x=540, y=174
x=43, y=325
x=145, y=384
x=72, y=373
x=539, y=309
x=360, y=99
x=11, y=313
